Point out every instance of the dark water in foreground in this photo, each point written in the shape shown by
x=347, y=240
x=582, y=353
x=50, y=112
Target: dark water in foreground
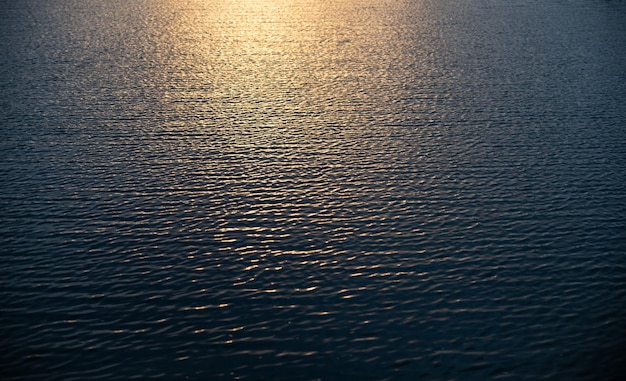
x=312, y=189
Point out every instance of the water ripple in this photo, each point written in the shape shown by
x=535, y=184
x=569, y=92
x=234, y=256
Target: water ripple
x=312, y=190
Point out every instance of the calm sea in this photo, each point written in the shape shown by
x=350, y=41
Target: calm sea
x=312, y=189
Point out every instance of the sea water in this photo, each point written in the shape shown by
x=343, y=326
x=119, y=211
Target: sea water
x=312, y=189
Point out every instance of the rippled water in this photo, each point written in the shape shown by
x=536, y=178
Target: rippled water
x=312, y=189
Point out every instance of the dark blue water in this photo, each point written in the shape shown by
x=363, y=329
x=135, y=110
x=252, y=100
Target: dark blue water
x=312, y=190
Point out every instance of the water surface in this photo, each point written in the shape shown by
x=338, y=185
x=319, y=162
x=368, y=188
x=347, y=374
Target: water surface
x=312, y=189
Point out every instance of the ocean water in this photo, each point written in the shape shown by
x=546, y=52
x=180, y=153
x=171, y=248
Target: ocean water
x=312, y=189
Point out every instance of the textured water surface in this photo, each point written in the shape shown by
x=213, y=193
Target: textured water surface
x=312, y=189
